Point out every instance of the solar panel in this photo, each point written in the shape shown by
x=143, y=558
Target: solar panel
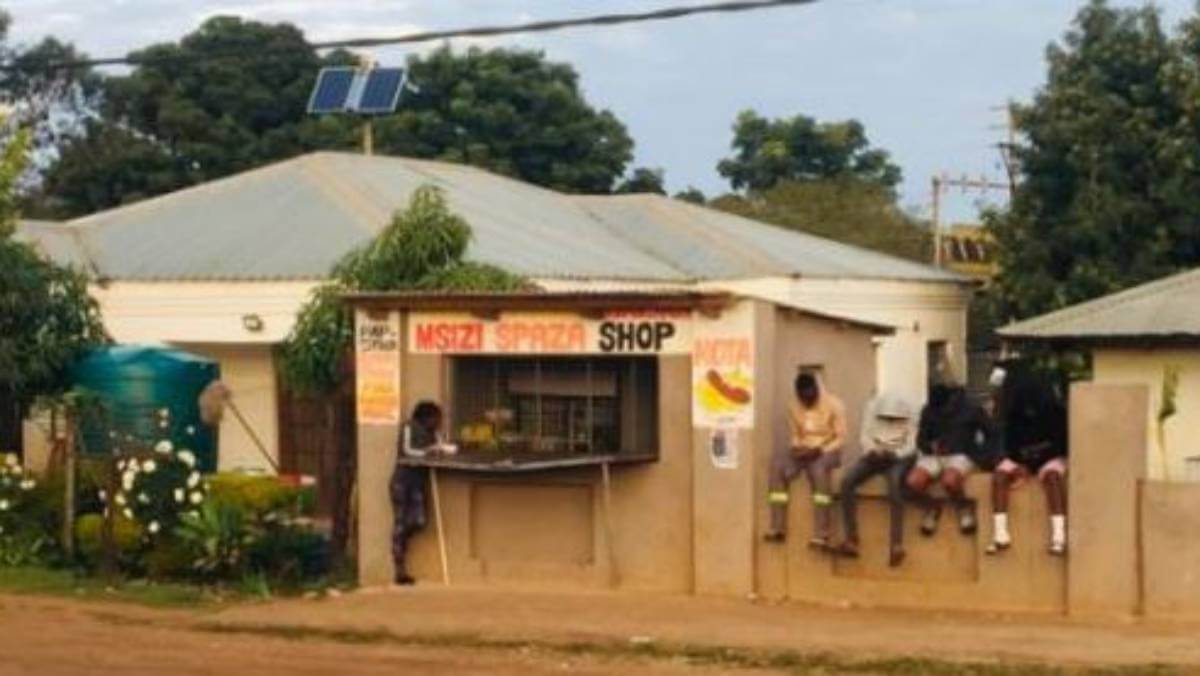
x=332, y=90
x=343, y=89
x=381, y=91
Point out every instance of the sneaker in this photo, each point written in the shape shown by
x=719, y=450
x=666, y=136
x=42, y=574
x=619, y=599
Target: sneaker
x=966, y=522
x=1058, y=549
x=773, y=536
x=848, y=549
x=929, y=522
x=820, y=544
x=404, y=580
x=896, y=557
x=996, y=547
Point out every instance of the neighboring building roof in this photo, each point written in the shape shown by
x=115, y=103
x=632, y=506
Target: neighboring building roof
x=295, y=219
x=1165, y=310
x=55, y=241
x=969, y=250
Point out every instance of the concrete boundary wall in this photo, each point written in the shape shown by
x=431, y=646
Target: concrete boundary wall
x=1170, y=540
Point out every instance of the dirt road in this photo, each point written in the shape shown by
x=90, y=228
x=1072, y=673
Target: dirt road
x=51, y=637
x=435, y=630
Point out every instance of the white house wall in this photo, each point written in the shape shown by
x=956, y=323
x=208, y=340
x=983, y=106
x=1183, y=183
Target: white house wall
x=199, y=312
x=1168, y=461
x=921, y=312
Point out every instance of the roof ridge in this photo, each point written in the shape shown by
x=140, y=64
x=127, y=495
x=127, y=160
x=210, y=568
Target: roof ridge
x=1108, y=301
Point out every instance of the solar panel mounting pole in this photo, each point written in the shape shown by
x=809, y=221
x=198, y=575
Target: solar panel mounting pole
x=366, y=63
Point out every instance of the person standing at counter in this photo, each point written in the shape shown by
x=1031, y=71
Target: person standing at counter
x=888, y=442
x=817, y=422
x=419, y=436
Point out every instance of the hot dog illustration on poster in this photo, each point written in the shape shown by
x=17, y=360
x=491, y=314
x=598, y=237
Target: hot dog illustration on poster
x=723, y=369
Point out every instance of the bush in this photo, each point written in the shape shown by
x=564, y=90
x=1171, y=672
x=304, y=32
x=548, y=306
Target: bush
x=260, y=496
x=127, y=540
x=23, y=540
x=290, y=556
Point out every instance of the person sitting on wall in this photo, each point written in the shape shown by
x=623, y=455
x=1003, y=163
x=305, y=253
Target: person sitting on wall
x=421, y=435
x=817, y=421
x=1034, y=424
x=888, y=443
x=954, y=438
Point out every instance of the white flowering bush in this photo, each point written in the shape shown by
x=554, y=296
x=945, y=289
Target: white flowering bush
x=20, y=539
x=156, y=489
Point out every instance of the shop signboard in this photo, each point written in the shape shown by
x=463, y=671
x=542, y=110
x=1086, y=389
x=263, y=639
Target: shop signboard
x=377, y=367
x=723, y=370
x=614, y=333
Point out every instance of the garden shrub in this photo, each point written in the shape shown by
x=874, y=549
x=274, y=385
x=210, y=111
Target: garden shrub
x=89, y=539
x=22, y=538
x=259, y=496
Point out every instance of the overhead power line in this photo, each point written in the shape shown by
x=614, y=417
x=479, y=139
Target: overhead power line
x=475, y=32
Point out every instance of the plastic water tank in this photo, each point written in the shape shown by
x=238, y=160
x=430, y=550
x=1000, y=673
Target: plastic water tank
x=149, y=394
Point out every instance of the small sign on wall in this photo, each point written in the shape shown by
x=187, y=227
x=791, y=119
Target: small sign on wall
x=723, y=448
x=377, y=368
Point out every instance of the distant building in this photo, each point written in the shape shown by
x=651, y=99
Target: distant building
x=969, y=250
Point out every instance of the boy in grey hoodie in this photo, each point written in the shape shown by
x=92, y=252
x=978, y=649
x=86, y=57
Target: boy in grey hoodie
x=888, y=443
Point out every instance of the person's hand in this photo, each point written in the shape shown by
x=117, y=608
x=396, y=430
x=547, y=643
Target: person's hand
x=806, y=452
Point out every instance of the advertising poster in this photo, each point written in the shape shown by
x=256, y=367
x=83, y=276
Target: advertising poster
x=723, y=370
x=377, y=364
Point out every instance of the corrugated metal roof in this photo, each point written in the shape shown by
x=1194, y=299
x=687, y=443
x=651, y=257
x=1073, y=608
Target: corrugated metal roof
x=55, y=241
x=295, y=219
x=1166, y=309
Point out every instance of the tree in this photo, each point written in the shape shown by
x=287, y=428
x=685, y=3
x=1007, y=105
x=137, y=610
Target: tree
x=643, y=180
x=422, y=248
x=50, y=104
x=801, y=149
x=47, y=318
x=228, y=97
x=1106, y=197
x=846, y=209
x=691, y=194
x=510, y=111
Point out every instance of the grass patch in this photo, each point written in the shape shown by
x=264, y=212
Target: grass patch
x=700, y=656
x=66, y=583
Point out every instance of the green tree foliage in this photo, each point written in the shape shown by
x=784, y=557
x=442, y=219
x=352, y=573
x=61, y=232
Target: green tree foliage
x=46, y=316
x=421, y=249
x=1108, y=164
x=643, y=180
x=801, y=149
x=228, y=97
x=510, y=111
x=846, y=209
x=51, y=105
x=233, y=94
x=692, y=194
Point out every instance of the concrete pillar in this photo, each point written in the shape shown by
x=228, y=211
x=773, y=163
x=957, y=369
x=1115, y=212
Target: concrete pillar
x=376, y=459
x=1108, y=459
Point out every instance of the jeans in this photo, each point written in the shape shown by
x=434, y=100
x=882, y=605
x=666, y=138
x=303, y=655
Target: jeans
x=408, y=506
x=870, y=464
x=786, y=466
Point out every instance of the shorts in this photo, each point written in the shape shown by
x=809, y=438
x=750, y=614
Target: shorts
x=1054, y=466
x=934, y=465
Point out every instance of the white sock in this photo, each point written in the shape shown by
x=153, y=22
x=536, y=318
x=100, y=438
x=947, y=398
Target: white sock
x=1058, y=529
x=1000, y=528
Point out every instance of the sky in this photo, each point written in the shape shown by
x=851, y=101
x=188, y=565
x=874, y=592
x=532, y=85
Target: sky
x=928, y=78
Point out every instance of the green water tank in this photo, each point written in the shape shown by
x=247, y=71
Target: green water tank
x=148, y=394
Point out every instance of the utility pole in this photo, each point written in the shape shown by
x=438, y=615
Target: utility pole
x=366, y=63
x=940, y=183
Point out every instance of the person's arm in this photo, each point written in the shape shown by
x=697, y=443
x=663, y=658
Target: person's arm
x=925, y=432
x=909, y=447
x=410, y=448
x=794, y=426
x=837, y=420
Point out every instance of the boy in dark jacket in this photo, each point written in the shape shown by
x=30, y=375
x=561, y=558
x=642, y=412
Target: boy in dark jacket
x=1034, y=424
x=954, y=438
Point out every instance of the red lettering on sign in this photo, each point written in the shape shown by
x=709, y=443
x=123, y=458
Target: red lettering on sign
x=449, y=337
x=722, y=352
x=541, y=337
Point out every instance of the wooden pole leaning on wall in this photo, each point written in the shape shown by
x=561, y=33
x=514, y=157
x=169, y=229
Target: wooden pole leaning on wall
x=614, y=576
x=69, y=465
x=441, y=531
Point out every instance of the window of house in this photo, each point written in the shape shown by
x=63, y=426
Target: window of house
x=556, y=406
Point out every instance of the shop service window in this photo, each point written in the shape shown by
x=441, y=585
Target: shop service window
x=556, y=406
